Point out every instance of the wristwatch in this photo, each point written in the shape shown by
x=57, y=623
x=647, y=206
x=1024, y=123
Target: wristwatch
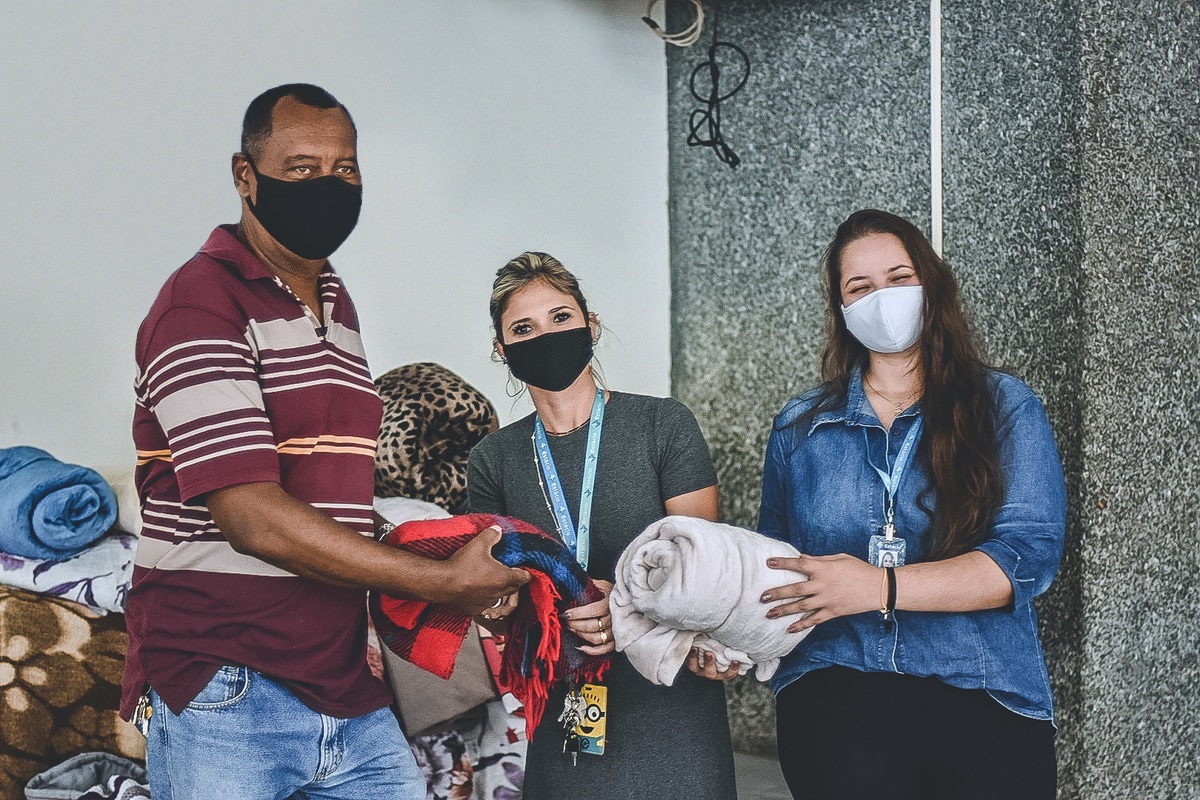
x=383, y=530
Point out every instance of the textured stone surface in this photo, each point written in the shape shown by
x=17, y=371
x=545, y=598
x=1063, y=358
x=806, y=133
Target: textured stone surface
x=1072, y=192
x=1072, y=163
x=1140, y=182
x=834, y=117
x=1011, y=104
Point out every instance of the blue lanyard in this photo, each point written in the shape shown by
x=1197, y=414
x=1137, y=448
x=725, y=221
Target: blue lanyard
x=891, y=481
x=579, y=542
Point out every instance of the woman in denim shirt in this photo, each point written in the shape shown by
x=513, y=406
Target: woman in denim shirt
x=926, y=494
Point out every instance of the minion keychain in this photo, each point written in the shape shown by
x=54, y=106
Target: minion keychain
x=593, y=725
x=584, y=717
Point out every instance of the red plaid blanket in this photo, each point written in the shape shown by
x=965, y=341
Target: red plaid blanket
x=430, y=635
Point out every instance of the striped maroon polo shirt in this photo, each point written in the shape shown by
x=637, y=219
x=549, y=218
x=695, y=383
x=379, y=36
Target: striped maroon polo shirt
x=239, y=382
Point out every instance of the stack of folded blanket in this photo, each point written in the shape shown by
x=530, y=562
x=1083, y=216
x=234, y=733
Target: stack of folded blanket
x=687, y=582
x=535, y=657
x=53, y=521
x=63, y=565
x=467, y=742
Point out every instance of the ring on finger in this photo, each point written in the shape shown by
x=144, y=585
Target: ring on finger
x=603, y=636
x=499, y=602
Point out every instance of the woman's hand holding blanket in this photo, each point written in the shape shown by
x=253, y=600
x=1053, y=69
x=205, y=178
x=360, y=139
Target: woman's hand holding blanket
x=593, y=623
x=837, y=586
x=705, y=665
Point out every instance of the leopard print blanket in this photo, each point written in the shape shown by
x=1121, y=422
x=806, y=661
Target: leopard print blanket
x=431, y=420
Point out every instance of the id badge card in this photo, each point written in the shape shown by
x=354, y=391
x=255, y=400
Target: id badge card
x=592, y=726
x=885, y=552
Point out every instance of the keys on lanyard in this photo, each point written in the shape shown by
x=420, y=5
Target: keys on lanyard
x=579, y=541
x=142, y=713
x=584, y=719
x=885, y=548
x=571, y=716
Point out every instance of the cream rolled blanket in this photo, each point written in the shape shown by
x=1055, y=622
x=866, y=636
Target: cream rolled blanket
x=687, y=582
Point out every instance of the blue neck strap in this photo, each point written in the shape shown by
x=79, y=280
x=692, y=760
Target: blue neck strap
x=891, y=480
x=578, y=541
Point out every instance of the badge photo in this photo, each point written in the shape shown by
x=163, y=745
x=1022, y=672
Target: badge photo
x=885, y=552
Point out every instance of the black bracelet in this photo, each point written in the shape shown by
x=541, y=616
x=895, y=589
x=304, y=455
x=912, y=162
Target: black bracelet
x=889, y=610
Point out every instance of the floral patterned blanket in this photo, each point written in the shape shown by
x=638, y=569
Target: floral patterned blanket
x=60, y=684
x=98, y=577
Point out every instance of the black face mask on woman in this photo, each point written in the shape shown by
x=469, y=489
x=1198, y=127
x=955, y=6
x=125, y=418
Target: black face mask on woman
x=551, y=361
x=311, y=218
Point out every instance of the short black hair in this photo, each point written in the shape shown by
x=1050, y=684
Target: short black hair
x=256, y=125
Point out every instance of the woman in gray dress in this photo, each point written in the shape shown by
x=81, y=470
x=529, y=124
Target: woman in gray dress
x=596, y=467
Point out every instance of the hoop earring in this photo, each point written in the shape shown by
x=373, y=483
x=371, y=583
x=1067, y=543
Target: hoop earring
x=513, y=387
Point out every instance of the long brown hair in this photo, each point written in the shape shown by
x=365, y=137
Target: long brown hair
x=958, y=448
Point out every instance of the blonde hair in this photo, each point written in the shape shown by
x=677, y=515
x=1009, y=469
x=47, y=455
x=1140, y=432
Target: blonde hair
x=527, y=268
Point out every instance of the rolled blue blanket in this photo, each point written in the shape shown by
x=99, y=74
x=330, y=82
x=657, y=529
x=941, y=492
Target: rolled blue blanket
x=49, y=509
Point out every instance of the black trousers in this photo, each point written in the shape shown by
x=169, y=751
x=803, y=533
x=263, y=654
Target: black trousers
x=845, y=734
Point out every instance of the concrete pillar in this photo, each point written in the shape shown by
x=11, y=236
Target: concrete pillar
x=1071, y=159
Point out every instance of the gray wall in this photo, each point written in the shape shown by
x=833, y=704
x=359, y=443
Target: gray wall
x=1072, y=185
x=485, y=129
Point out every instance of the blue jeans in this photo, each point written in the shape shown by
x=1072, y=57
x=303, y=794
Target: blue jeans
x=247, y=737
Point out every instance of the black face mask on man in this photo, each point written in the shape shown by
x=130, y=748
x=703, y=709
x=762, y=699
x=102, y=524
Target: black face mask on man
x=551, y=361
x=311, y=218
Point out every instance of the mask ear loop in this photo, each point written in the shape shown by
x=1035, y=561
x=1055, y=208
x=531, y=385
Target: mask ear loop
x=513, y=387
x=684, y=38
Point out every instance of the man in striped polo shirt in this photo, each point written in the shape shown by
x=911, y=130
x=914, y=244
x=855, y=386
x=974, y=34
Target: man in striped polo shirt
x=256, y=424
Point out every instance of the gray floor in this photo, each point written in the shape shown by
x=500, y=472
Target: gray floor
x=759, y=778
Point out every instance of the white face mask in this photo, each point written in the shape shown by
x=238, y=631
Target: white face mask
x=887, y=320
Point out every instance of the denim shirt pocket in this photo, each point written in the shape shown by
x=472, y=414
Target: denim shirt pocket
x=226, y=689
x=947, y=645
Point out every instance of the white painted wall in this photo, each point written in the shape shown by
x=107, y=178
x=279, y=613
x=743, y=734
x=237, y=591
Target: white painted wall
x=486, y=127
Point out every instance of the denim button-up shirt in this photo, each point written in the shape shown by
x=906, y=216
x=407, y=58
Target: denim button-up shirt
x=822, y=494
